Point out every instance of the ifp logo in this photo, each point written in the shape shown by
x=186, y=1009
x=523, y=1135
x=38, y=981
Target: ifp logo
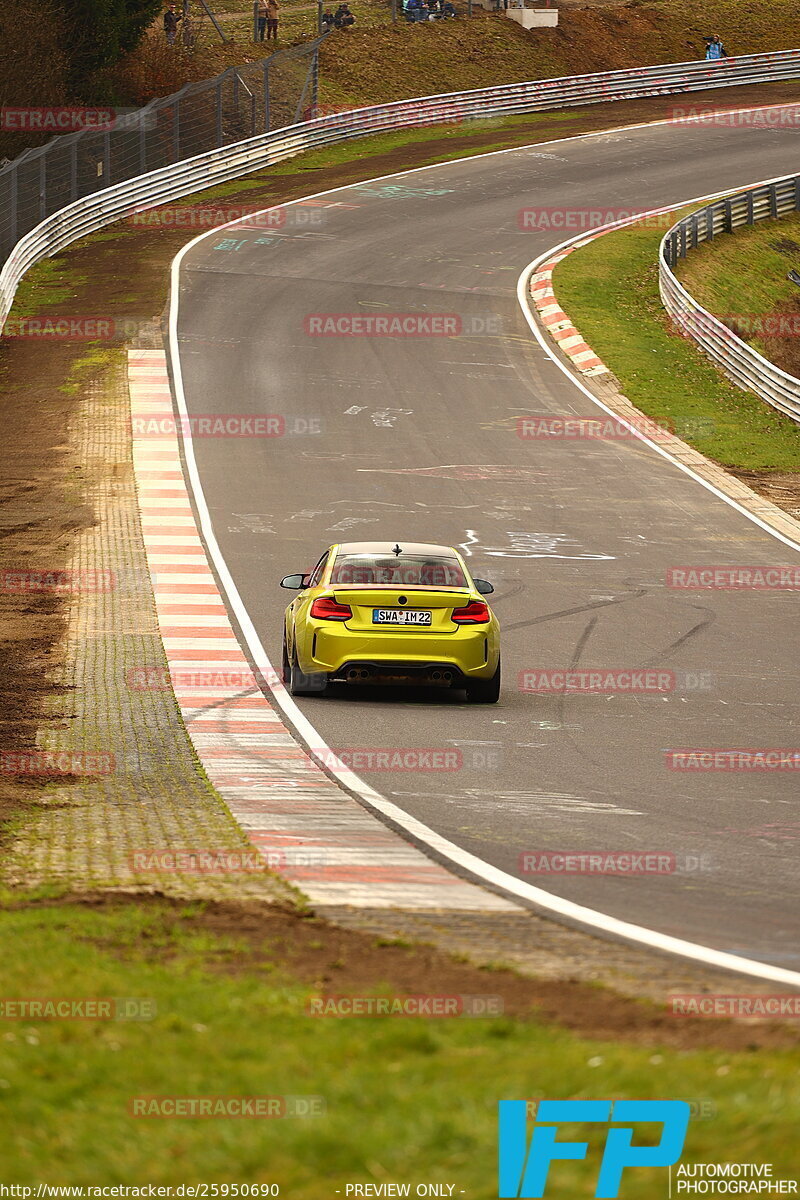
x=523, y=1170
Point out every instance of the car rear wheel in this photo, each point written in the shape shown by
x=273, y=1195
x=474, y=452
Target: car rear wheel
x=300, y=684
x=484, y=691
x=285, y=666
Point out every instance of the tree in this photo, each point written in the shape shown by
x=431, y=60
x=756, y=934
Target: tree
x=98, y=32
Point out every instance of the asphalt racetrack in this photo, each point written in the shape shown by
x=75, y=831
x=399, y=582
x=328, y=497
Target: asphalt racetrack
x=416, y=438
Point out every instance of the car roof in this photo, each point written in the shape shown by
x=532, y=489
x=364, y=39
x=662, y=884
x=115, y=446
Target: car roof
x=388, y=547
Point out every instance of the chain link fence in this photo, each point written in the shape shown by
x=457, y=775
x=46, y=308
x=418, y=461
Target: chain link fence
x=240, y=103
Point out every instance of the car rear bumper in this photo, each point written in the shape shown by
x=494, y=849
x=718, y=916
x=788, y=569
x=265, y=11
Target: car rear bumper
x=471, y=653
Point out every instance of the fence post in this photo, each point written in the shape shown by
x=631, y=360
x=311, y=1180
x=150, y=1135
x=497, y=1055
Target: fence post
x=298, y=112
x=14, y=203
x=394, y=11
x=315, y=82
x=73, y=171
x=710, y=223
x=42, y=185
x=773, y=199
x=266, y=96
x=218, y=120
x=142, y=143
x=107, y=159
x=255, y=20
x=750, y=208
x=797, y=192
x=469, y=8
x=319, y=17
x=176, y=131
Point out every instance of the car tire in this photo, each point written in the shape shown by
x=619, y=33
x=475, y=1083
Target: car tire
x=286, y=669
x=484, y=691
x=300, y=684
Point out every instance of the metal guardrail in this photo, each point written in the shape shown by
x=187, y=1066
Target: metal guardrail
x=226, y=162
x=740, y=362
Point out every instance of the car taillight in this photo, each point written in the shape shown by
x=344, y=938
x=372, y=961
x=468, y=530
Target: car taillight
x=325, y=608
x=474, y=613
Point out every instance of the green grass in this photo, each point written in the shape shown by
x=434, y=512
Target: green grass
x=610, y=290
x=745, y=273
x=407, y=1100
x=50, y=283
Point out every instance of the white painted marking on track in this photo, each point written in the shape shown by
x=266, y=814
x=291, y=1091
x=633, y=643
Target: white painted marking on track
x=567, y=909
x=473, y=541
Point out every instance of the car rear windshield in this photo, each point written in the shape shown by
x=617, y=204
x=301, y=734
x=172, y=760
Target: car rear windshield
x=407, y=570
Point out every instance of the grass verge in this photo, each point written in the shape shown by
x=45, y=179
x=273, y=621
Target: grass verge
x=610, y=290
x=406, y=1100
x=742, y=278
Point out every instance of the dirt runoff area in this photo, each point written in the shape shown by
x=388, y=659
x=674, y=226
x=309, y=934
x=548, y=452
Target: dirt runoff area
x=321, y=956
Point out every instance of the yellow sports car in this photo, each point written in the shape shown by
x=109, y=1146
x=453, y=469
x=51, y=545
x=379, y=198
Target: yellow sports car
x=381, y=613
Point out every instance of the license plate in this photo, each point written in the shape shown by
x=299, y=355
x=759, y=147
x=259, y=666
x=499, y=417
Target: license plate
x=401, y=616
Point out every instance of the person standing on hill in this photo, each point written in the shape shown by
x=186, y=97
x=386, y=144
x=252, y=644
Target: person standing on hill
x=171, y=19
x=715, y=49
x=273, y=7
x=262, y=19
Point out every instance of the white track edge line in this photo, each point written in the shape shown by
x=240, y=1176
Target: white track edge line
x=470, y=863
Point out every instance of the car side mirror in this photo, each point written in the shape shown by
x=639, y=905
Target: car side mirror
x=484, y=587
x=295, y=582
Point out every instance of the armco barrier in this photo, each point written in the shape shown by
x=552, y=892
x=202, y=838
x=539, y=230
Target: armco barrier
x=227, y=162
x=738, y=360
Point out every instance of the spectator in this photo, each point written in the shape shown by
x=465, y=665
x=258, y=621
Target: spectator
x=448, y=9
x=343, y=18
x=327, y=21
x=714, y=49
x=262, y=19
x=273, y=7
x=171, y=19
